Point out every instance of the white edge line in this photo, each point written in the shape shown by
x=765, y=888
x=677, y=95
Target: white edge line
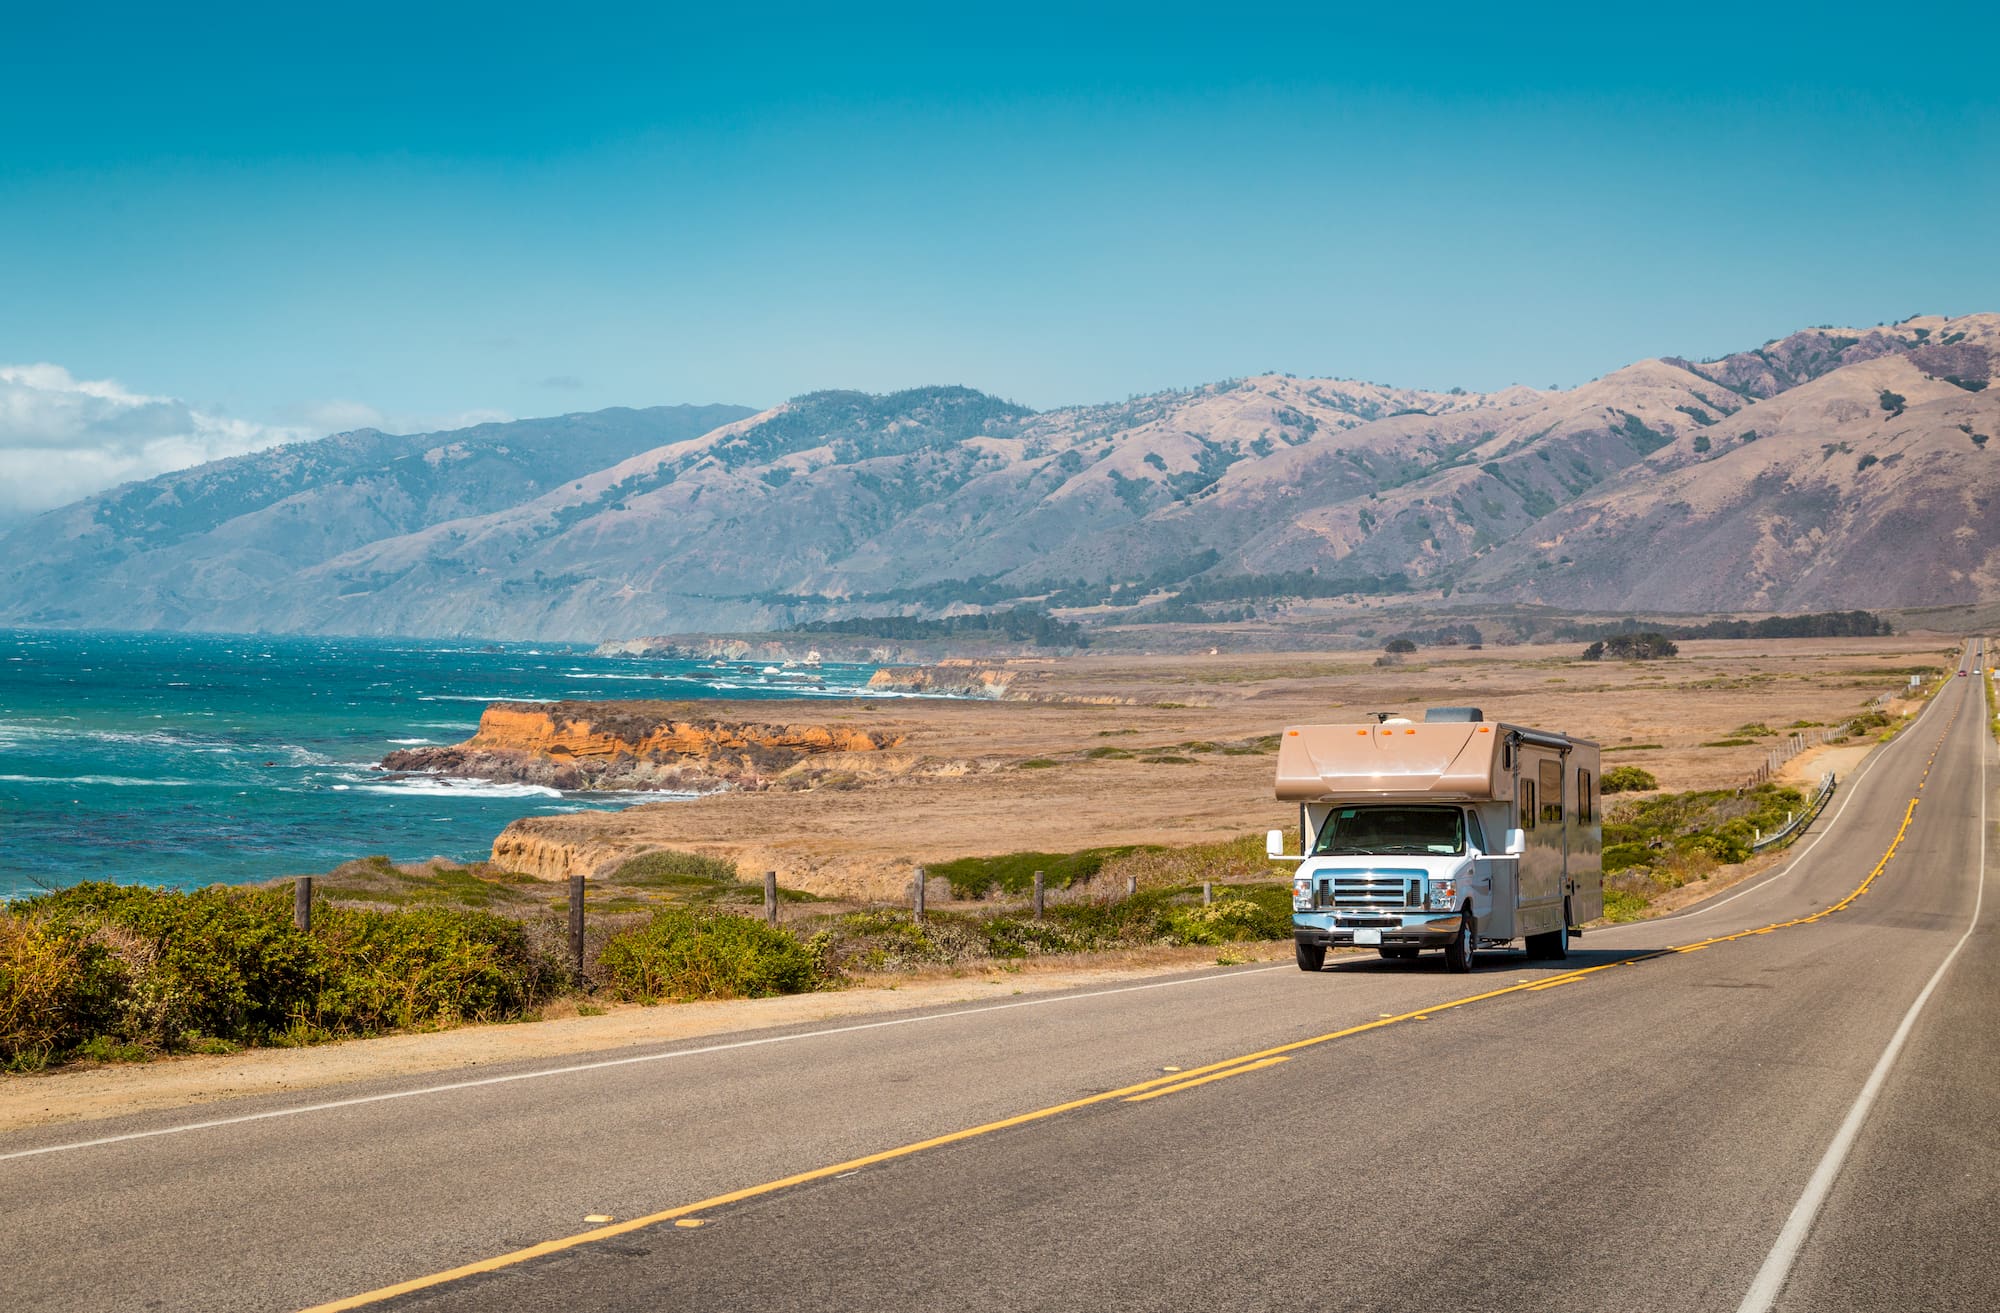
x=574, y=1068
x=1765, y=881
x=1771, y=1277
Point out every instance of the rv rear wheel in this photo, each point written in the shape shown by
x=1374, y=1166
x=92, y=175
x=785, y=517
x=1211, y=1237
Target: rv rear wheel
x=1311, y=956
x=1458, y=953
x=1553, y=946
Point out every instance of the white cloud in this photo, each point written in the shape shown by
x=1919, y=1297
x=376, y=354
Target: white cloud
x=62, y=437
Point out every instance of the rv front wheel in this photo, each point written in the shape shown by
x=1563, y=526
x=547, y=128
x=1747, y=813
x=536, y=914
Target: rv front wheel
x=1458, y=953
x=1311, y=956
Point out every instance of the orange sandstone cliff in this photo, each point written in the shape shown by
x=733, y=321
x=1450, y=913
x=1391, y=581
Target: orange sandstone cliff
x=652, y=746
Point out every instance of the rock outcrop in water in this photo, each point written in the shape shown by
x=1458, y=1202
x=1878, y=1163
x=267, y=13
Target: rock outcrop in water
x=656, y=746
x=954, y=677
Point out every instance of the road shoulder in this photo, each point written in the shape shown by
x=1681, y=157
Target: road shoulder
x=83, y=1094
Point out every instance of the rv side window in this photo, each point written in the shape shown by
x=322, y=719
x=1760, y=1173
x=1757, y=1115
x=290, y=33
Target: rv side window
x=1527, y=804
x=1552, y=792
x=1586, y=797
x=1475, y=832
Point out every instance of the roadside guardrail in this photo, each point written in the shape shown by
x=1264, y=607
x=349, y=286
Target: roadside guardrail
x=1797, y=821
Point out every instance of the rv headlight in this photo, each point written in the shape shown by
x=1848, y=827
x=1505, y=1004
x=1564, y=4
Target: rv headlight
x=1443, y=895
x=1302, y=895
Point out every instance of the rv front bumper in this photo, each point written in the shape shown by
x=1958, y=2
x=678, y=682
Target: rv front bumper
x=1408, y=930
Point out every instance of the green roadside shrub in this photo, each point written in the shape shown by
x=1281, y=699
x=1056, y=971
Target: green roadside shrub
x=221, y=962
x=1627, y=779
x=1227, y=920
x=1014, y=873
x=1868, y=722
x=1618, y=856
x=1620, y=905
x=668, y=867
x=684, y=955
x=102, y=968
x=59, y=986
x=423, y=966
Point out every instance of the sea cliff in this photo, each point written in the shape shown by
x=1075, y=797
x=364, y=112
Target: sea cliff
x=642, y=746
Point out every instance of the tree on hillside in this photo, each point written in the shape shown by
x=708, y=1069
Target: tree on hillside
x=1399, y=647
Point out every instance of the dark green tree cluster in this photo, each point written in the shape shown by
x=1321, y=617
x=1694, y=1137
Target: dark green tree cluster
x=1631, y=647
x=1819, y=624
x=1018, y=624
x=1443, y=635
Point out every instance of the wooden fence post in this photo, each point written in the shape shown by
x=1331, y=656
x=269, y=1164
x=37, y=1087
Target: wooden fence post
x=1038, y=895
x=917, y=892
x=576, y=928
x=302, y=903
x=1207, y=892
x=1131, y=886
x=771, y=897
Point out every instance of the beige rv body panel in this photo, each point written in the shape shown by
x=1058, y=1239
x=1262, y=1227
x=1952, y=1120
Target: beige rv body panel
x=1446, y=761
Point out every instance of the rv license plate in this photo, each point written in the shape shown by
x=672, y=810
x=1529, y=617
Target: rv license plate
x=1367, y=936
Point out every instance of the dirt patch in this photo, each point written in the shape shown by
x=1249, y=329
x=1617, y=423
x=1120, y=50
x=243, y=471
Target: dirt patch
x=1804, y=771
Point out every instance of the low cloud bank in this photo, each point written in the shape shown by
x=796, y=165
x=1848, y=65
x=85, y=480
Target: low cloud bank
x=62, y=437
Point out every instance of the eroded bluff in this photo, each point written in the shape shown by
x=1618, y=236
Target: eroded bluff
x=661, y=746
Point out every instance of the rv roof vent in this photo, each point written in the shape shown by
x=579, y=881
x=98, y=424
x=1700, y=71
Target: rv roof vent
x=1452, y=715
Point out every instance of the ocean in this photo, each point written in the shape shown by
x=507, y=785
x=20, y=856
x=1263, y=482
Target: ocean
x=186, y=760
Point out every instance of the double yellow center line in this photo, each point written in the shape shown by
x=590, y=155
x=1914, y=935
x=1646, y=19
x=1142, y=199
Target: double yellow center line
x=1139, y=1093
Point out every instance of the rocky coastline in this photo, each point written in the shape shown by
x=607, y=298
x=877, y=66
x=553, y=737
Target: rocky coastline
x=645, y=747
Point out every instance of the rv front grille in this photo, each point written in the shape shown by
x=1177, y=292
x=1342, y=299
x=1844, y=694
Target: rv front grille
x=1366, y=889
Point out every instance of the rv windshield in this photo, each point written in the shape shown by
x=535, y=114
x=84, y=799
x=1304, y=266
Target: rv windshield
x=1434, y=831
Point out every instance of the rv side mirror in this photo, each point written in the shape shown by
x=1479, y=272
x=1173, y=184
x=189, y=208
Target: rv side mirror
x=1517, y=842
x=1274, y=843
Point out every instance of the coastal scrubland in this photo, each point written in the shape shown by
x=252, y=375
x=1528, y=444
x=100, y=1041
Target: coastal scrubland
x=120, y=972
x=1145, y=792
x=1098, y=751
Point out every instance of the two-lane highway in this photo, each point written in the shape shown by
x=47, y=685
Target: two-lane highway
x=1763, y=1116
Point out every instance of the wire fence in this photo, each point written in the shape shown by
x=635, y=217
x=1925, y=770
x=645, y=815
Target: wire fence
x=1795, y=743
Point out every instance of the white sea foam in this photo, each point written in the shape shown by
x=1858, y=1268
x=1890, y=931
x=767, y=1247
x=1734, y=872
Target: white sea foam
x=410, y=743
x=481, y=697
x=447, y=786
x=109, y=781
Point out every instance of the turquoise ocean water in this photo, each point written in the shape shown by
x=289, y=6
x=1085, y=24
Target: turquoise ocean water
x=185, y=760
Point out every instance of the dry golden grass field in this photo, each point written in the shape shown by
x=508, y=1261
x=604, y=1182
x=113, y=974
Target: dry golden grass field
x=1096, y=750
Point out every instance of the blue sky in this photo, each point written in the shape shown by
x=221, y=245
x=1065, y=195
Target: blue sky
x=298, y=221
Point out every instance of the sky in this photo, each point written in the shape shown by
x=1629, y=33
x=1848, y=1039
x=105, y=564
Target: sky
x=227, y=226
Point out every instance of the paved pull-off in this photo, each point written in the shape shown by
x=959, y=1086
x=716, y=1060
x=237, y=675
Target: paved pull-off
x=1782, y=1099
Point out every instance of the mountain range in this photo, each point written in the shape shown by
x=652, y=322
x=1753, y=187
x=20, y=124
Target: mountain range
x=1832, y=468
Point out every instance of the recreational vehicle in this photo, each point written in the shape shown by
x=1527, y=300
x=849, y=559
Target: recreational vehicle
x=1456, y=833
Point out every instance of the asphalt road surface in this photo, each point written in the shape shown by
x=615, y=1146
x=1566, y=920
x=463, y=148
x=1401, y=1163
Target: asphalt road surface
x=1799, y=1117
